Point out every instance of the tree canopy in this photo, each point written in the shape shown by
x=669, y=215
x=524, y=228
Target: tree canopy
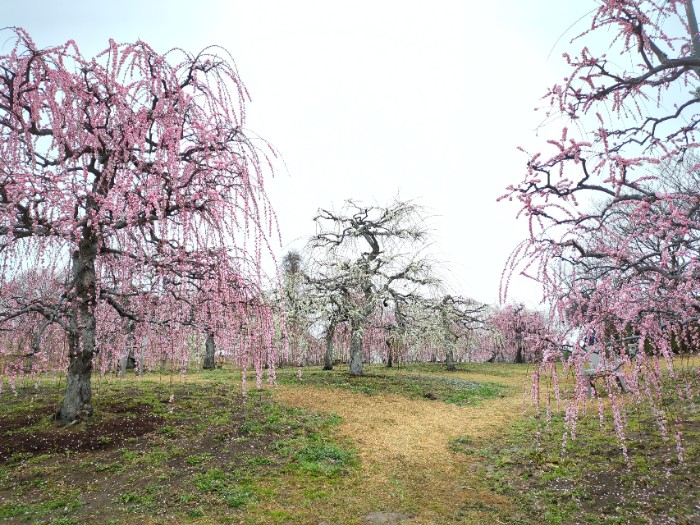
x=130, y=190
x=614, y=237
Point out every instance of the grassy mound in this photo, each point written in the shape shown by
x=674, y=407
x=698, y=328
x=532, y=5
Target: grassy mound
x=410, y=385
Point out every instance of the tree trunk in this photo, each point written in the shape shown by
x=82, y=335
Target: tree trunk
x=123, y=364
x=130, y=360
x=449, y=360
x=77, y=401
x=356, y=349
x=209, y=352
x=141, y=369
x=519, y=348
x=450, y=340
x=328, y=359
x=390, y=353
x=519, y=356
x=127, y=360
x=693, y=26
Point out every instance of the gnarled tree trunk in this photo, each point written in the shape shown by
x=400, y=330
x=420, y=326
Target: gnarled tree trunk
x=209, y=353
x=519, y=343
x=77, y=401
x=450, y=360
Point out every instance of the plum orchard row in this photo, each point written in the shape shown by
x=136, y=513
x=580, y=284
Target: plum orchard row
x=364, y=290
x=174, y=348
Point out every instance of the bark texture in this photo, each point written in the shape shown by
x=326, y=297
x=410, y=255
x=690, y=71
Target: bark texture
x=449, y=360
x=328, y=358
x=209, y=353
x=77, y=401
x=519, y=343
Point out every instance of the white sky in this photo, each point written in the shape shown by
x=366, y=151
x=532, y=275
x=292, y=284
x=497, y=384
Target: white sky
x=369, y=99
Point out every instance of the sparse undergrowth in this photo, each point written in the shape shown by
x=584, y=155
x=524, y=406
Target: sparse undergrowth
x=200, y=458
x=588, y=480
x=210, y=455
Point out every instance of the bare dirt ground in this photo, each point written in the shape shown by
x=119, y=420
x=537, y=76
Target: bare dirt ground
x=407, y=464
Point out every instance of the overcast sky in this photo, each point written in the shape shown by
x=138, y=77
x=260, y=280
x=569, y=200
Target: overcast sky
x=369, y=99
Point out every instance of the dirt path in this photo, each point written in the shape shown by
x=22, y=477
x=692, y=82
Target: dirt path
x=407, y=464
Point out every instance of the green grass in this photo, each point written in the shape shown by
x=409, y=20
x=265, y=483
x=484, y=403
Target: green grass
x=199, y=459
x=410, y=385
x=61, y=504
x=213, y=456
x=492, y=369
x=205, y=455
x=226, y=486
x=326, y=459
x=589, y=480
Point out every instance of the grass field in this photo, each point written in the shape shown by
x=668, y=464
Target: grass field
x=411, y=445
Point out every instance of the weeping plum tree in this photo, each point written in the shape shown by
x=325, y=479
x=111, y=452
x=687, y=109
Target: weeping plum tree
x=523, y=334
x=458, y=318
x=127, y=179
x=443, y=321
x=365, y=254
x=628, y=262
x=310, y=306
